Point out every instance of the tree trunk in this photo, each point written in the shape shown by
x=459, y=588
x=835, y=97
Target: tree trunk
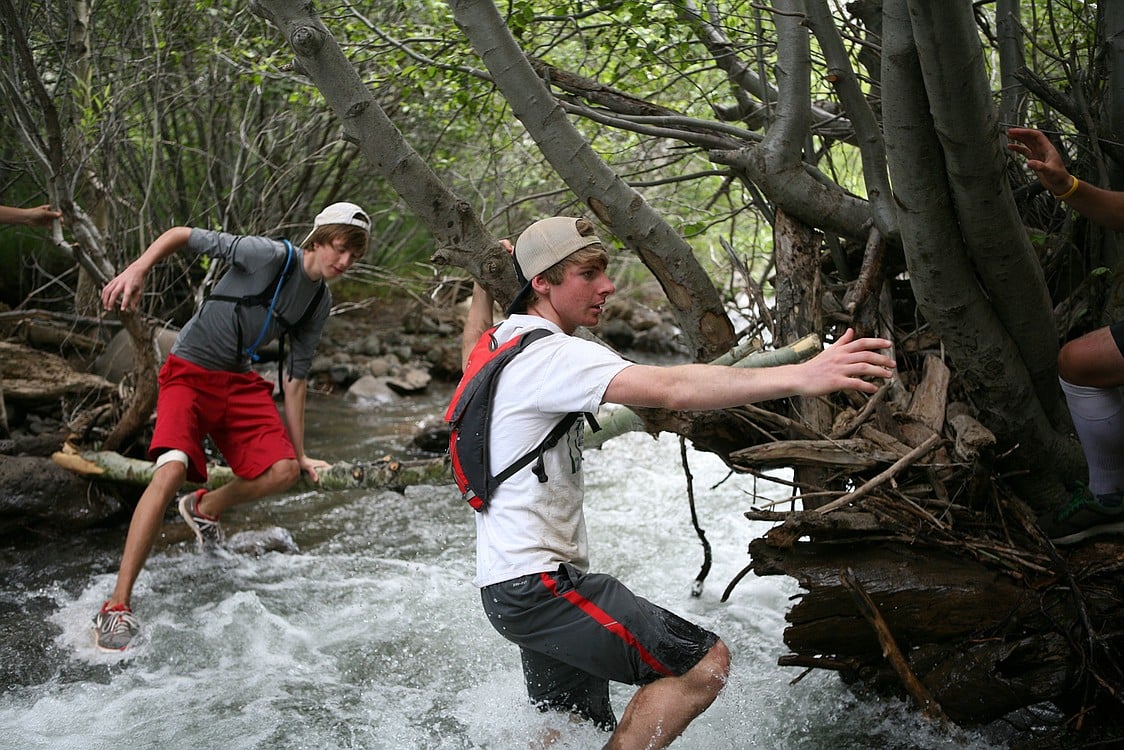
x=945, y=280
x=973, y=161
x=461, y=237
x=1012, y=94
x=692, y=295
x=796, y=248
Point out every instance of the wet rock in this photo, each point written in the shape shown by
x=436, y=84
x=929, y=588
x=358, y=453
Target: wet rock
x=344, y=374
x=409, y=380
x=259, y=541
x=433, y=437
x=37, y=493
x=371, y=389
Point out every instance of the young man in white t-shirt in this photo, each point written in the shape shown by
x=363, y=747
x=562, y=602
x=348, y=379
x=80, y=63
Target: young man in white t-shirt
x=579, y=630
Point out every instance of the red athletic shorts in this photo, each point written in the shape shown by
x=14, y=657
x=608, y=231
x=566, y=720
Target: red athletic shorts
x=235, y=408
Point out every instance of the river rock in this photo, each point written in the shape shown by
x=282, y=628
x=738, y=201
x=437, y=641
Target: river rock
x=380, y=367
x=117, y=359
x=37, y=493
x=644, y=319
x=259, y=541
x=371, y=389
x=371, y=345
x=433, y=436
x=409, y=380
x=661, y=339
x=344, y=374
x=445, y=361
x=618, y=334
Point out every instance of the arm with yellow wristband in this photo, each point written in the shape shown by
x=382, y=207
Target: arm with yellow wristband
x=1105, y=207
x=1090, y=367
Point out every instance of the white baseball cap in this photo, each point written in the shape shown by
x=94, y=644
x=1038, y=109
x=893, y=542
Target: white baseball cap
x=340, y=213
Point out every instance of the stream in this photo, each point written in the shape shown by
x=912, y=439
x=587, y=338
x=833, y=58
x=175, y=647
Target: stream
x=372, y=636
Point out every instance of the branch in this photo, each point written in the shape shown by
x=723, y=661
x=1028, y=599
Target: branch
x=890, y=650
x=884, y=477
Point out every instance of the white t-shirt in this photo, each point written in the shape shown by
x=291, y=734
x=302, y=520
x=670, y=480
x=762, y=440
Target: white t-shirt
x=531, y=526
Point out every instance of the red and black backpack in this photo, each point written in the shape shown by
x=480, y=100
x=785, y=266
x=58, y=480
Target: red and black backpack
x=470, y=412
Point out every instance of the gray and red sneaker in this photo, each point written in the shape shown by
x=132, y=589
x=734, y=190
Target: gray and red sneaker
x=207, y=529
x=115, y=627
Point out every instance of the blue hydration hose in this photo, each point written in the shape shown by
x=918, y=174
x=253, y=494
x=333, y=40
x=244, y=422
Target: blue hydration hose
x=252, y=350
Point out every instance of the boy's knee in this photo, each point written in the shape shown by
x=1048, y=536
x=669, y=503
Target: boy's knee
x=1071, y=363
x=712, y=670
x=169, y=472
x=719, y=655
x=286, y=472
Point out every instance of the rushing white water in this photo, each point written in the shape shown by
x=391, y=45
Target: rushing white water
x=372, y=635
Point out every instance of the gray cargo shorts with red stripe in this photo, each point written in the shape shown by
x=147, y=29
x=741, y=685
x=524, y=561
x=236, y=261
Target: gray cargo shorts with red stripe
x=577, y=631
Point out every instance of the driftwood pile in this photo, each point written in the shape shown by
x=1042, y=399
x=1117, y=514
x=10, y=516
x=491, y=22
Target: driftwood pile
x=930, y=579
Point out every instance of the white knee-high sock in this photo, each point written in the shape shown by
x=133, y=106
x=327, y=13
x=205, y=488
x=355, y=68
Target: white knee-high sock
x=1098, y=417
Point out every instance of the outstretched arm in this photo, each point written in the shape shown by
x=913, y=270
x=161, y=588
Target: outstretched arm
x=1105, y=207
x=846, y=364
x=39, y=216
x=126, y=288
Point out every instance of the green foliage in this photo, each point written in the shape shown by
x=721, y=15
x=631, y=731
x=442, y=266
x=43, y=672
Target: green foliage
x=190, y=113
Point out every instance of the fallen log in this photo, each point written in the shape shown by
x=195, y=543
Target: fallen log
x=386, y=473
x=890, y=649
x=984, y=613
x=853, y=454
x=933, y=604
x=31, y=375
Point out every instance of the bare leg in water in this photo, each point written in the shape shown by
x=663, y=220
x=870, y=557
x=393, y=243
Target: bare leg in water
x=661, y=710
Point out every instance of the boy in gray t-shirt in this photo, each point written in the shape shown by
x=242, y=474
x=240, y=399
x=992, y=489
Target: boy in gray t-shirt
x=208, y=388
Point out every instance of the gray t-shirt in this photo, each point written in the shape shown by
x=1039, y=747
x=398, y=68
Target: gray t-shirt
x=217, y=335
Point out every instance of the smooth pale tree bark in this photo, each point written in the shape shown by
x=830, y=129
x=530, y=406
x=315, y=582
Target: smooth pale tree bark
x=461, y=236
x=974, y=157
x=1012, y=94
x=775, y=165
x=945, y=280
x=868, y=135
x=706, y=328
x=759, y=94
x=386, y=474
